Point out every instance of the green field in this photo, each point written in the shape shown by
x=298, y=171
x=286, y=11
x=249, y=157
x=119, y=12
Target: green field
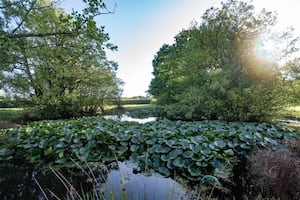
x=10, y=114
x=290, y=112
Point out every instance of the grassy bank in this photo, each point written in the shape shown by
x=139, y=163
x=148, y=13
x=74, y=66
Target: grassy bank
x=290, y=112
x=10, y=114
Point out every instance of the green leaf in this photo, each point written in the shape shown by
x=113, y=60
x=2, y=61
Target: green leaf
x=194, y=170
x=229, y=152
x=245, y=146
x=210, y=178
x=188, y=154
x=29, y=146
x=178, y=162
x=61, y=145
x=61, y=154
x=206, y=151
x=162, y=149
x=220, y=144
x=165, y=158
x=48, y=151
x=195, y=148
x=122, y=149
x=134, y=148
x=84, y=157
x=164, y=171
x=170, y=143
x=61, y=161
x=34, y=158
x=198, y=139
x=173, y=154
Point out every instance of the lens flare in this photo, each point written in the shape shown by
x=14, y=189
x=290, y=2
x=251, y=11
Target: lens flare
x=268, y=48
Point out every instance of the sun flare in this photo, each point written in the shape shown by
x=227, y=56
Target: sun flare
x=267, y=48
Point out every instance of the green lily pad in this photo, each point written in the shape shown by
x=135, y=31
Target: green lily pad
x=178, y=162
x=246, y=137
x=210, y=178
x=164, y=171
x=198, y=139
x=188, y=154
x=170, y=164
x=206, y=151
x=29, y=145
x=165, y=158
x=245, y=146
x=173, y=154
x=232, y=144
x=195, y=148
x=194, y=170
x=122, y=149
x=134, y=148
x=229, y=152
x=162, y=149
x=220, y=144
x=184, y=144
x=170, y=143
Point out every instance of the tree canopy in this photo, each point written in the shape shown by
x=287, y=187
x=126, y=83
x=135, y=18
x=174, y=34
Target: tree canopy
x=55, y=58
x=215, y=69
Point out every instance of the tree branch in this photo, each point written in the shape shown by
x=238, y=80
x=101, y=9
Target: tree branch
x=25, y=17
x=25, y=35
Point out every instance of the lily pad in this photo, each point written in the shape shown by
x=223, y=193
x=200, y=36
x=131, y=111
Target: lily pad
x=188, y=154
x=178, y=162
x=173, y=154
x=220, y=144
x=134, y=148
x=206, y=151
x=164, y=171
x=229, y=152
x=170, y=143
x=195, y=148
x=194, y=170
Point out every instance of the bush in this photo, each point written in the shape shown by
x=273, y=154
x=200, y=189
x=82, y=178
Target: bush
x=277, y=173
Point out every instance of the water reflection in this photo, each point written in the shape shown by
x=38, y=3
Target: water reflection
x=125, y=117
x=17, y=181
x=139, y=186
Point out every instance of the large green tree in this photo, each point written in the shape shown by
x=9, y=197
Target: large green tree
x=216, y=70
x=57, y=59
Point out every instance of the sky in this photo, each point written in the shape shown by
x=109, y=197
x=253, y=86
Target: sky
x=140, y=27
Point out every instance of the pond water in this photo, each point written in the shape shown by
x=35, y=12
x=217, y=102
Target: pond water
x=127, y=118
x=28, y=181
x=24, y=181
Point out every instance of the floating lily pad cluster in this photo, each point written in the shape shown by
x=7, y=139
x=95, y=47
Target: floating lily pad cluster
x=190, y=149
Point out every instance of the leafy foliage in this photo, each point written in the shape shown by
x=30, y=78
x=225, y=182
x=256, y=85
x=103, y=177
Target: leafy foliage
x=213, y=70
x=191, y=149
x=55, y=58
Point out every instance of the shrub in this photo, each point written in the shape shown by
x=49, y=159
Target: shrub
x=277, y=173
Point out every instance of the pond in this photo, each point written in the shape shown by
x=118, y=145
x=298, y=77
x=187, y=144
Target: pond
x=127, y=118
x=28, y=181
x=25, y=181
x=201, y=152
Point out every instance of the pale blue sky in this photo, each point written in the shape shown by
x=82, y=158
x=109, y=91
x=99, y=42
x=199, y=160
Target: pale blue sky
x=140, y=27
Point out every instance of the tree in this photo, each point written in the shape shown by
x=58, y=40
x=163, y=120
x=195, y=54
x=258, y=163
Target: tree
x=55, y=58
x=292, y=80
x=213, y=71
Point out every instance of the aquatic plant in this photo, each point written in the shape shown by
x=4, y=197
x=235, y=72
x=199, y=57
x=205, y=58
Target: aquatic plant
x=189, y=149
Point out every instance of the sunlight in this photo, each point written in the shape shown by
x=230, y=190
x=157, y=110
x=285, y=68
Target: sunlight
x=267, y=48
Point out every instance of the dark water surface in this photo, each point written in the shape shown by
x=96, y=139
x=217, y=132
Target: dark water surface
x=21, y=181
